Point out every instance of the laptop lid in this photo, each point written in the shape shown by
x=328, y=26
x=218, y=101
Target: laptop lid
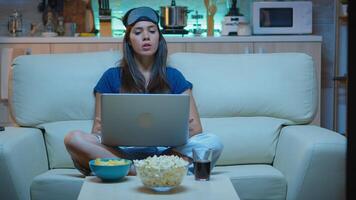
x=144, y=119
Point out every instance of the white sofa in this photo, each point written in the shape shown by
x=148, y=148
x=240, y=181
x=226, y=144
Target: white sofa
x=260, y=106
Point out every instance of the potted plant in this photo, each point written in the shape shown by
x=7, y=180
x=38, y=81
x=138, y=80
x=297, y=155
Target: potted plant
x=343, y=7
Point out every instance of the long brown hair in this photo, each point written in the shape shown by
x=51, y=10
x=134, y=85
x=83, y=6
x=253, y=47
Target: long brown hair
x=132, y=80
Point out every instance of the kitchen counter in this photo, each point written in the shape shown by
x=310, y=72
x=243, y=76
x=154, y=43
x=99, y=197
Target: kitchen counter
x=169, y=38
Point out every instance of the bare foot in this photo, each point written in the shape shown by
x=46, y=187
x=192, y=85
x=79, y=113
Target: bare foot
x=81, y=169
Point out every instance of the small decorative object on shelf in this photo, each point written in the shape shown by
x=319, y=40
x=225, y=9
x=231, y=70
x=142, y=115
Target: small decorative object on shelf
x=343, y=7
x=50, y=25
x=197, y=27
x=244, y=28
x=343, y=19
x=60, y=26
x=232, y=21
x=89, y=18
x=14, y=24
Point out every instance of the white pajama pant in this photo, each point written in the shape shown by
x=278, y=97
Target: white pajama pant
x=202, y=140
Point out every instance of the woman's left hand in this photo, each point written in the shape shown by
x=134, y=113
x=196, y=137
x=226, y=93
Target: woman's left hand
x=193, y=128
x=194, y=119
x=191, y=124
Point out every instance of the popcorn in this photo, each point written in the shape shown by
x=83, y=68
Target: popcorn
x=161, y=171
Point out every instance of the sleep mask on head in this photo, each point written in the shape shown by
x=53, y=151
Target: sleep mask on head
x=140, y=14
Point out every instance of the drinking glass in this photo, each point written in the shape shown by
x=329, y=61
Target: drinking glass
x=202, y=158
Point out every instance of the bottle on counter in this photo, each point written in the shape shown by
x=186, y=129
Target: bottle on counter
x=243, y=28
x=15, y=24
x=89, y=17
x=50, y=27
x=60, y=26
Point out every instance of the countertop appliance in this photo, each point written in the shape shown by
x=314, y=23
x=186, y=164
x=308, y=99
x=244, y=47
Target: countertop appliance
x=231, y=20
x=105, y=18
x=173, y=18
x=282, y=17
x=14, y=24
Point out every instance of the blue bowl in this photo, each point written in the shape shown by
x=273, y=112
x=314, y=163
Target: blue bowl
x=110, y=173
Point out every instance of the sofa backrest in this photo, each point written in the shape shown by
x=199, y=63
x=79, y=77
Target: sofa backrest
x=279, y=85
x=56, y=87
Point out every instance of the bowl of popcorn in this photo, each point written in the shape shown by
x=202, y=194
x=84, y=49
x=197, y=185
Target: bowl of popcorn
x=161, y=173
x=110, y=169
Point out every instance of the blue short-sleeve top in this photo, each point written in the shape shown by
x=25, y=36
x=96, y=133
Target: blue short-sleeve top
x=110, y=81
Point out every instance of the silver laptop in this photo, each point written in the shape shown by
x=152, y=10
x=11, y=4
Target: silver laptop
x=144, y=119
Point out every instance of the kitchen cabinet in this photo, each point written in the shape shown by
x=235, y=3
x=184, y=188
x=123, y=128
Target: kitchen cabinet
x=4, y=113
x=89, y=47
x=19, y=49
x=175, y=47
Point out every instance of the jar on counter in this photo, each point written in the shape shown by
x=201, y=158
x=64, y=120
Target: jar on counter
x=14, y=24
x=50, y=26
x=243, y=29
x=60, y=26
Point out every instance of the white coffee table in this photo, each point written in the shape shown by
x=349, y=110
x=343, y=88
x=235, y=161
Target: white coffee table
x=131, y=188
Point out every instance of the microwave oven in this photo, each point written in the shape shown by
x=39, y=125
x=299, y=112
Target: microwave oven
x=282, y=17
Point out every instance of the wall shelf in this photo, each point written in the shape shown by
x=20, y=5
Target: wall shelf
x=340, y=73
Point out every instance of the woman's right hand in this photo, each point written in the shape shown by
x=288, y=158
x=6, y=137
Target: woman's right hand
x=97, y=125
x=97, y=120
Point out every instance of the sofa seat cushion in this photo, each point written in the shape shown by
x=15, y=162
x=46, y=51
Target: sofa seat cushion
x=259, y=182
x=57, y=184
x=246, y=140
x=54, y=137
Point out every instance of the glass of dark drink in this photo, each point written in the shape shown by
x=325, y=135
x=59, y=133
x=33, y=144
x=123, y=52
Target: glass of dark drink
x=202, y=163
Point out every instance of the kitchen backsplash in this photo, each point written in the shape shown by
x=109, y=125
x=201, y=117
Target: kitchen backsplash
x=28, y=8
x=119, y=7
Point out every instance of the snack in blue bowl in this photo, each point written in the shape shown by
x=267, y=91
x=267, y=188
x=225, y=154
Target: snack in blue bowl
x=110, y=169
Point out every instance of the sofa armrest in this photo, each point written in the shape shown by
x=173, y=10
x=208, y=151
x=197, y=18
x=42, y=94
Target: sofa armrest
x=22, y=157
x=313, y=160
